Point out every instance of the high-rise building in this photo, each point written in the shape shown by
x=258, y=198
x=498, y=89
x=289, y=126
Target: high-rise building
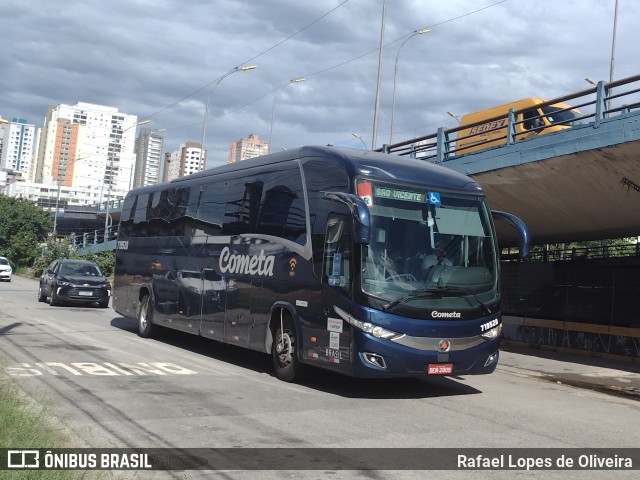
x=87, y=144
x=249, y=147
x=148, y=155
x=189, y=159
x=16, y=150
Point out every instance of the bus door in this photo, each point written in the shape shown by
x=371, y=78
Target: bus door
x=239, y=290
x=333, y=333
x=214, y=294
x=176, y=284
x=226, y=298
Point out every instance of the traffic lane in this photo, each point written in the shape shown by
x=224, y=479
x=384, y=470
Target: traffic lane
x=120, y=381
x=184, y=379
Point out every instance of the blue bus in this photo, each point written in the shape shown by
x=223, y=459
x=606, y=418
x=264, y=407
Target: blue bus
x=363, y=263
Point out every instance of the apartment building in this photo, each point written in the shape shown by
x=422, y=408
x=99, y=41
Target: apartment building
x=87, y=144
x=184, y=161
x=16, y=146
x=249, y=147
x=148, y=150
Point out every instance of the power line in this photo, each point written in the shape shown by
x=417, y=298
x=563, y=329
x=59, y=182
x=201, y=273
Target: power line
x=308, y=75
x=248, y=61
x=319, y=72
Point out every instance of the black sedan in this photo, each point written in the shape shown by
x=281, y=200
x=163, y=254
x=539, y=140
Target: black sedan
x=74, y=281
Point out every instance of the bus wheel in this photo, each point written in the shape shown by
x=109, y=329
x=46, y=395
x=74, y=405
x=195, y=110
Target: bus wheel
x=145, y=318
x=283, y=351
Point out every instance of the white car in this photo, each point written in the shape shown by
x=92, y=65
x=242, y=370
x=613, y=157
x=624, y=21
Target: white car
x=5, y=269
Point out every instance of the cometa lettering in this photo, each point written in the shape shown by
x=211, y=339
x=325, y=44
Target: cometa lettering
x=260, y=264
x=437, y=314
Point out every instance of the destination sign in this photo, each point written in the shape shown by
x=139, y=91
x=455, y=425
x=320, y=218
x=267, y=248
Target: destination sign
x=397, y=194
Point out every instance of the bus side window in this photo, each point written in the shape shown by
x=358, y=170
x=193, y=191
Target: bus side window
x=337, y=253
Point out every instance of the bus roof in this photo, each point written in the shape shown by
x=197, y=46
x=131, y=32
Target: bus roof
x=353, y=161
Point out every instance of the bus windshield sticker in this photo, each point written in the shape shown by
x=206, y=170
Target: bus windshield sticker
x=365, y=192
x=434, y=198
x=337, y=264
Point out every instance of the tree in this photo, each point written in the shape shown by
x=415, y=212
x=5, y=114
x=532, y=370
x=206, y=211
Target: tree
x=52, y=250
x=63, y=248
x=23, y=227
x=105, y=259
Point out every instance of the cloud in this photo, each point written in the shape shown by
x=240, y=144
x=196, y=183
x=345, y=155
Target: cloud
x=156, y=59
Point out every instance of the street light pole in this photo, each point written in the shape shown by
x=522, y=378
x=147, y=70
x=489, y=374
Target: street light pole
x=106, y=217
x=377, y=103
x=206, y=106
x=451, y=114
x=395, y=73
x=613, y=50
x=273, y=108
x=55, y=217
x=359, y=137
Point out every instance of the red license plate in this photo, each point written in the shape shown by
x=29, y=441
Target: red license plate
x=440, y=368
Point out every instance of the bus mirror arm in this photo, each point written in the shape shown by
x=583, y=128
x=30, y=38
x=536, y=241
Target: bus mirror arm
x=524, y=239
x=359, y=214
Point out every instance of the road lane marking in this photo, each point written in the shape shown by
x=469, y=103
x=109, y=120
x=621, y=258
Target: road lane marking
x=97, y=369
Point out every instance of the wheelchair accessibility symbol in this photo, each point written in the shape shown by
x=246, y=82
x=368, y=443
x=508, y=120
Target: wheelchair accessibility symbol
x=434, y=198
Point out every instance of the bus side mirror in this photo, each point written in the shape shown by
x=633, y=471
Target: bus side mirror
x=523, y=232
x=359, y=213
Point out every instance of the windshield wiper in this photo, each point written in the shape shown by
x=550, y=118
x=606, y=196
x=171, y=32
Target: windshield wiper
x=481, y=304
x=420, y=292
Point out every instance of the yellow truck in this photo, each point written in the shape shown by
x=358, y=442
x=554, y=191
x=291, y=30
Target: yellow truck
x=533, y=116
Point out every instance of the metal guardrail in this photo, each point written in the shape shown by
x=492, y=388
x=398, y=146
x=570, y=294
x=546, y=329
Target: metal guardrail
x=115, y=204
x=95, y=237
x=546, y=254
x=596, y=102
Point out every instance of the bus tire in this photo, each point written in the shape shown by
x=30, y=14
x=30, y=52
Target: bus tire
x=146, y=329
x=284, y=352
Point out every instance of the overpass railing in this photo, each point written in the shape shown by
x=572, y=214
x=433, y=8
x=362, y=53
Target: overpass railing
x=546, y=253
x=95, y=240
x=595, y=102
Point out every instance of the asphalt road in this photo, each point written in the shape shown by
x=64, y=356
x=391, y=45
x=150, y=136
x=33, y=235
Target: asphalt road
x=111, y=388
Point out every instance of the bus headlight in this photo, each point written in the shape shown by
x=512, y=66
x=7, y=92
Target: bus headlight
x=375, y=330
x=492, y=334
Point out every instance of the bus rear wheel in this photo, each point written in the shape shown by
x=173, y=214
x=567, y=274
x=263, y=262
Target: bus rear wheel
x=145, y=318
x=284, y=353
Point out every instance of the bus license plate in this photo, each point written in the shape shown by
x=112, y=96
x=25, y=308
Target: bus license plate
x=439, y=368
x=85, y=293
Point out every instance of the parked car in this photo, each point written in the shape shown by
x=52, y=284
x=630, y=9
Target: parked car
x=74, y=281
x=5, y=269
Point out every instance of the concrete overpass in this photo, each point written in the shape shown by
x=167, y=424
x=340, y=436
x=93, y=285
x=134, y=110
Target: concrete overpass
x=581, y=183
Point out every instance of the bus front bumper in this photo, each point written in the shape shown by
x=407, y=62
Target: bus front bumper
x=420, y=357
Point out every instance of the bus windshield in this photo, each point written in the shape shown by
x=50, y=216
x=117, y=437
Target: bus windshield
x=428, y=250
x=557, y=115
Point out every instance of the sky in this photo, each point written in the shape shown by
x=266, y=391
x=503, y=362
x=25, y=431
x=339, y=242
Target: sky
x=162, y=60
